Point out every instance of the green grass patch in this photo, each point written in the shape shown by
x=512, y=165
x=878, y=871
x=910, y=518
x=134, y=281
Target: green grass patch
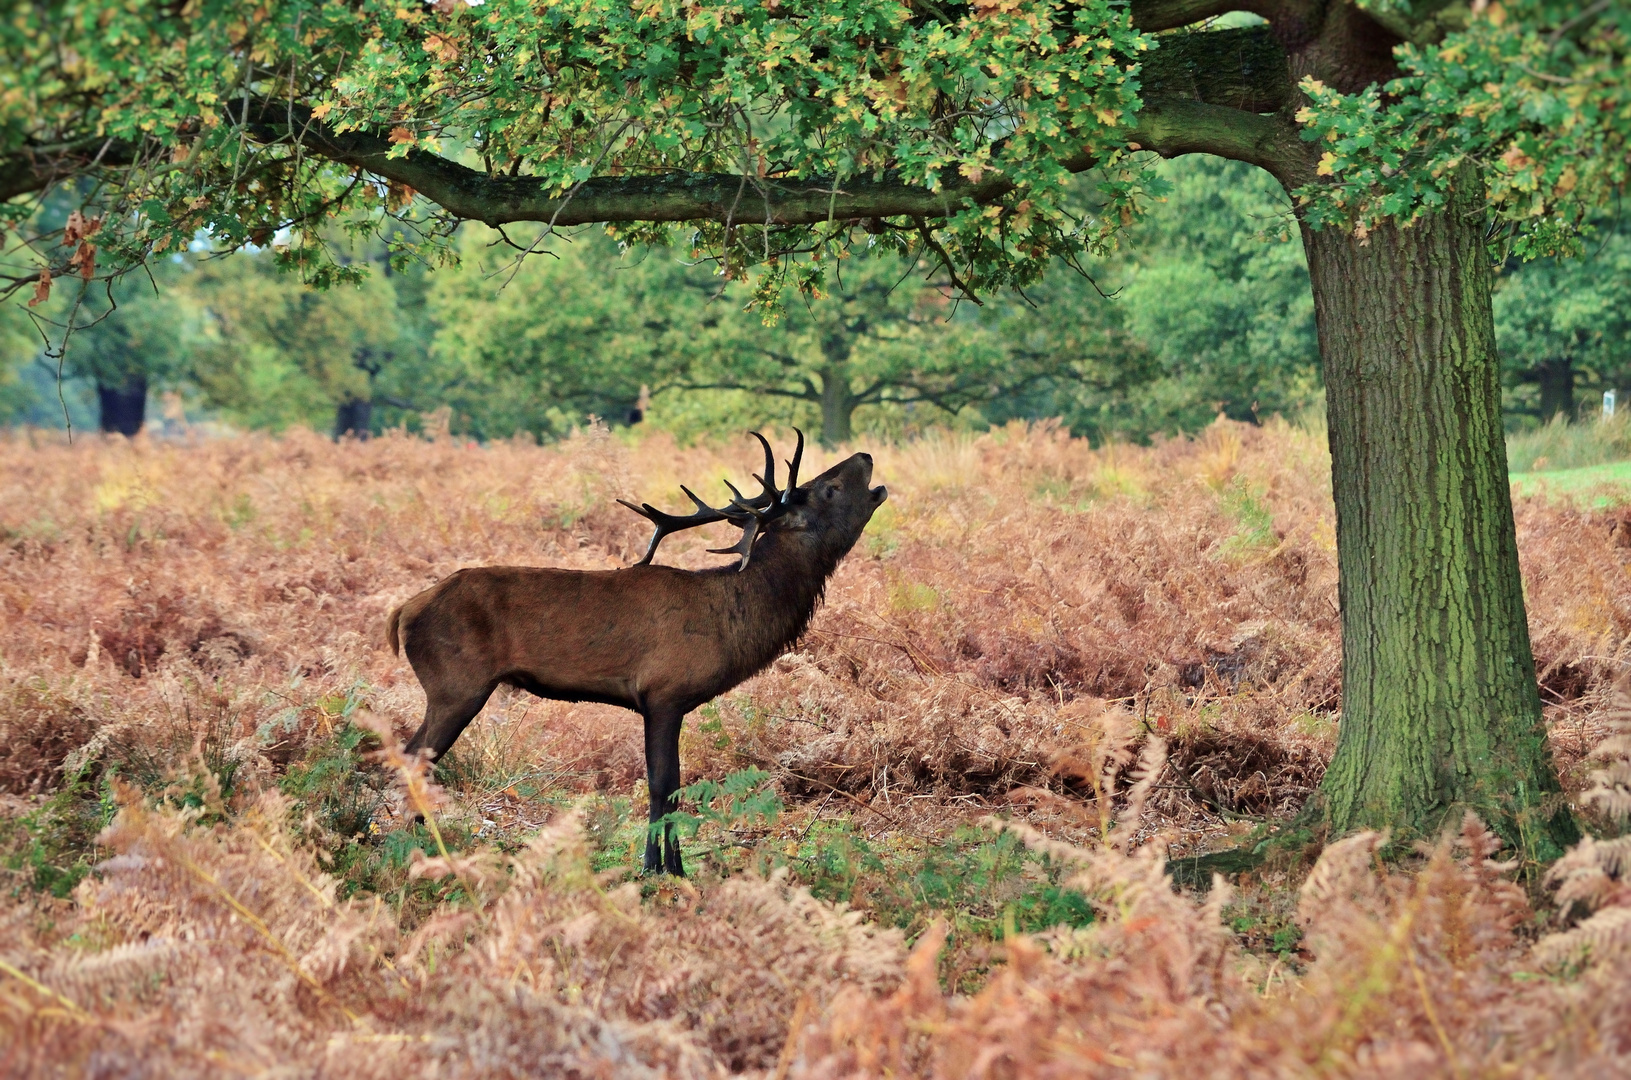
x=987, y=885
x=1593, y=485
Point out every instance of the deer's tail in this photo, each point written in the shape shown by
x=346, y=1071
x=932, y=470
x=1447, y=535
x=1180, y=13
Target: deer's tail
x=393, y=631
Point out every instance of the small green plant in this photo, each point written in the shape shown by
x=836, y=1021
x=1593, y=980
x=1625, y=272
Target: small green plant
x=333, y=785
x=713, y=723
x=1255, y=521
x=1262, y=918
x=882, y=536
x=53, y=847
x=741, y=803
x=1052, y=488
x=908, y=597
x=240, y=513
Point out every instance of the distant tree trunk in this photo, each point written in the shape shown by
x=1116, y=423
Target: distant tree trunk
x=352, y=416
x=837, y=405
x=1440, y=711
x=123, y=407
x=1556, y=379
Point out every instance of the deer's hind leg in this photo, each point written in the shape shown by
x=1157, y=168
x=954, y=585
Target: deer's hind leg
x=663, y=781
x=449, y=708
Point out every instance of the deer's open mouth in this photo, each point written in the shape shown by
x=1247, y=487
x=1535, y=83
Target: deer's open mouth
x=879, y=494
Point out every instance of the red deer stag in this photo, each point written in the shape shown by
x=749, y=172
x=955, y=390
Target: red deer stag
x=657, y=640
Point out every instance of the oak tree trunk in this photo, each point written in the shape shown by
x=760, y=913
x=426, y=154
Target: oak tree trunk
x=1440, y=711
x=352, y=417
x=123, y=407
x=837, y=405
x=1556, y=379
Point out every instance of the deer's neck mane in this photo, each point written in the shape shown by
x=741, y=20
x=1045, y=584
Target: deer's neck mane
x=775, y=597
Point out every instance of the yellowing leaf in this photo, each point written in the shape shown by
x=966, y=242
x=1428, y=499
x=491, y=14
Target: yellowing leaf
x=1327, y=164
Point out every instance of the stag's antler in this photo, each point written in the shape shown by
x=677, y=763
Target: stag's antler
x=751, y=515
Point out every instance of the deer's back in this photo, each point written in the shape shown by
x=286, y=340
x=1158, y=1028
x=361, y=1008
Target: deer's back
x=607, y=635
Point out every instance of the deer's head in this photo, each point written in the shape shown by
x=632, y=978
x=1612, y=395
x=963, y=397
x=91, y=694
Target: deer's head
x=825, y=516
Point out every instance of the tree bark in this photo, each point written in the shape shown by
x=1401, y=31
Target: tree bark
x=352, y=417
x=837, y=405
x=1440, y=711
x=123, y=407
x=1556, y=379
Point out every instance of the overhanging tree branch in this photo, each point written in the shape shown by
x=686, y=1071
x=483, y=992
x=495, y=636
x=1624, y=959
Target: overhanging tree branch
x=34, y=168
x=1239, y=73
x=1153, y=16
x=1193, y=127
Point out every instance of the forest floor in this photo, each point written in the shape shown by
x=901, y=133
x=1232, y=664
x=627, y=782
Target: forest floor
x=931, y=840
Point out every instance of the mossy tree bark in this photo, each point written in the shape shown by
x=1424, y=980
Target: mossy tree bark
x=1440, y=710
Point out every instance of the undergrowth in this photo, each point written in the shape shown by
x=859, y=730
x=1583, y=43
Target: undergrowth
x=51, y=848
x=946, y=812
x=1560, y=444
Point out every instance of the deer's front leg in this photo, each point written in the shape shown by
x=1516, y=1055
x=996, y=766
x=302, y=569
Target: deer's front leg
x=663, y=780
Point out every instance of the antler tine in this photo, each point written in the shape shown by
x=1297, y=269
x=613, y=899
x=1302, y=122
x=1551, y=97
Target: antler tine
x=743, y=547
x=793, y=467
x=672, y=523
x=751, y=515
x=755, y=506
x=769, y=478
x=702, y=507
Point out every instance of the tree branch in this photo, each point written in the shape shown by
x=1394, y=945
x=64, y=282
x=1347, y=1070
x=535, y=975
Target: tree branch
x=1238, y=71
x=750, y=388
x=35, y=168
x=1203, y=93
x=1152, y=16
x=1193, y=127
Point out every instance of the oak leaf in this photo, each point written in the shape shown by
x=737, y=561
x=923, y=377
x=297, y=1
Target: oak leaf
x=42, y=287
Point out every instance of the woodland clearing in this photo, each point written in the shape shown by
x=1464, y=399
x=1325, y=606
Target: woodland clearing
x=935, y=834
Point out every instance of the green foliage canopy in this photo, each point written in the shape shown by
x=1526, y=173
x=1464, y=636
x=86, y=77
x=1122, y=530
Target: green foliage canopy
x=788, y=128
x=1535, y=93
x=280, y=353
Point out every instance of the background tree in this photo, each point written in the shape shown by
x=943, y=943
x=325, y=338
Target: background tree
x=279, y=353
x=795, y=131
x=134, y=338
x=583, y=328
x=878, y=335
x=1565, y=324
x=572, y=331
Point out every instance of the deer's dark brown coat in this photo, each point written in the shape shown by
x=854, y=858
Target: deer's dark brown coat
x=654, y=639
